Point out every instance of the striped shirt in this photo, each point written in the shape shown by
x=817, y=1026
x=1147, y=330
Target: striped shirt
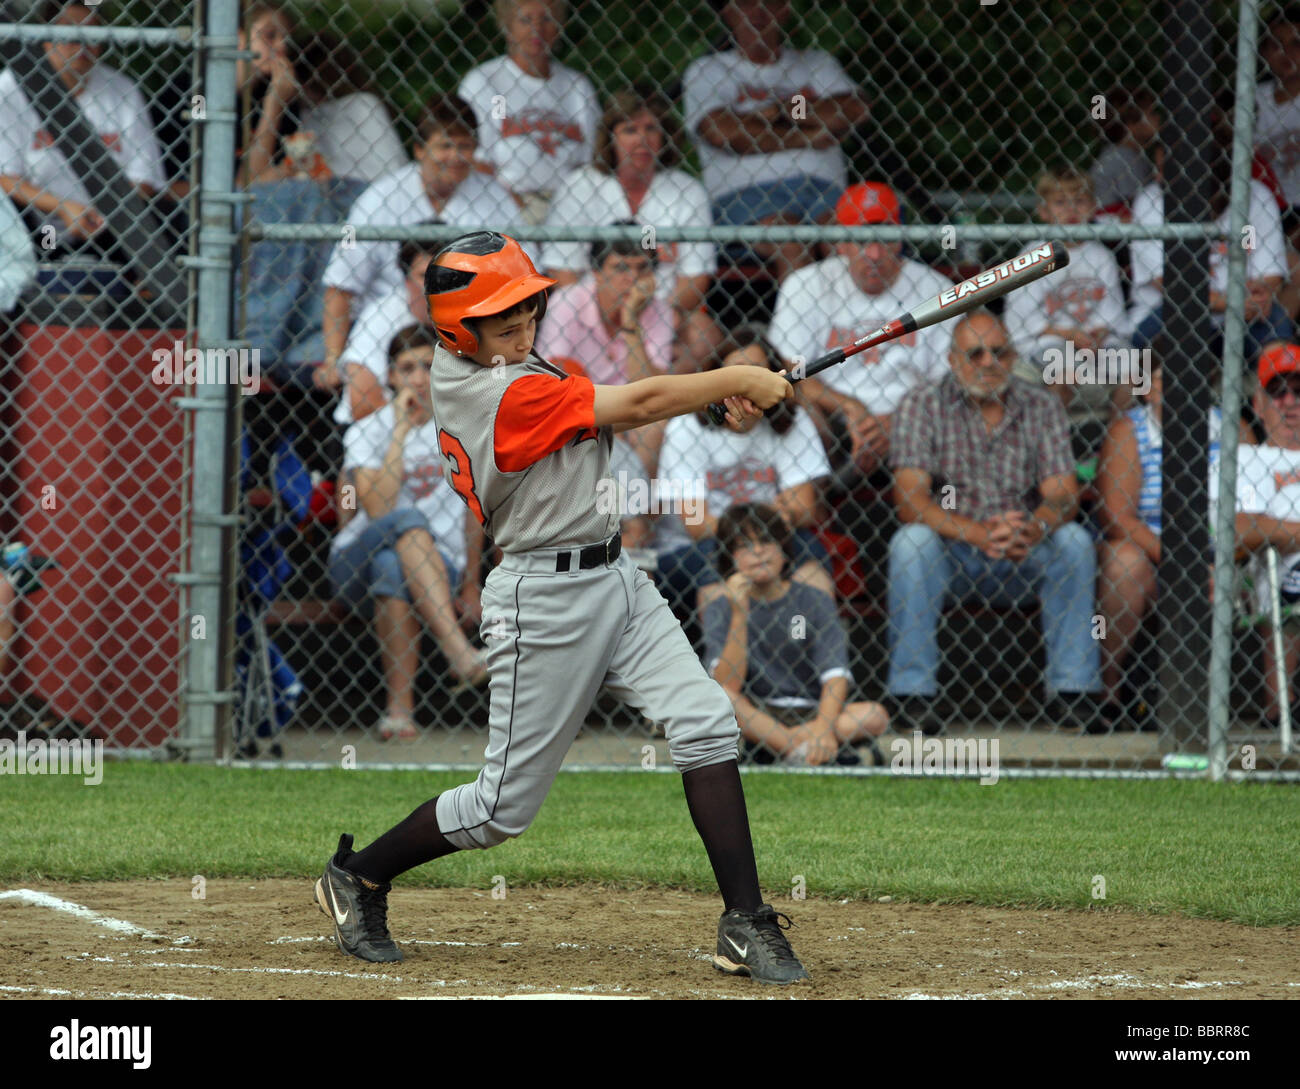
x=939, y=430
x=1150, y=444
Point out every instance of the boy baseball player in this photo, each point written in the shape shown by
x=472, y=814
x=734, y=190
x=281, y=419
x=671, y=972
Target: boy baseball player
x=565, y=613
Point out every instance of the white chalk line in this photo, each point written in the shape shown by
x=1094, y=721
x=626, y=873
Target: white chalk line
x=44, y=899
x=538, y=997
x=1090, y=983
x=60, y=992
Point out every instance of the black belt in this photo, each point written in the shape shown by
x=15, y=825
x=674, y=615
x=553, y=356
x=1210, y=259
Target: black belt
x=597, y=555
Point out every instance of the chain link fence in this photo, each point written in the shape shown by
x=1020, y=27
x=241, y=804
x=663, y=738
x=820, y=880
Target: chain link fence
x=986, y=544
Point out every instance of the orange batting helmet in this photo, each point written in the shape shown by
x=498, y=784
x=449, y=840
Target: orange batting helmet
x=476, y=276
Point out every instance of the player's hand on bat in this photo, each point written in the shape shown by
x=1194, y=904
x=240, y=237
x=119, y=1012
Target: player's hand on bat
x=763, y=387
x=742, y=414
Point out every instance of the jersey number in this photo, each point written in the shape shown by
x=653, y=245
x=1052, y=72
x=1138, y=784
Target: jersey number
x=462, y=479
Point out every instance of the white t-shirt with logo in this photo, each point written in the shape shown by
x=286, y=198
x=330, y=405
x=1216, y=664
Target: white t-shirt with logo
x=114, y=108
x=1086, y=294
x=1277, y=137
x=1268, y=482
x=590, y=197
x=379, y=321
x=356, y=136
x=729, y=80
x=533, y=130
x=369, y=270
x=423, y=487
x=724, y=467
x=820, y=308
x=1268, y=258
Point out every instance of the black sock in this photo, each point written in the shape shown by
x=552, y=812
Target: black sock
x=413, y=842
x=717, y=804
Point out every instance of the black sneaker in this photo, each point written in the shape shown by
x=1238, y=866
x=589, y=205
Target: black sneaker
x=751, y=944
x=358, y=908
x=1077, y=711
x=913, y=713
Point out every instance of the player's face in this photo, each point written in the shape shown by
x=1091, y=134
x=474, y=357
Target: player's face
x=1278, y=408
x=1066, y=205
x=73, y=59
x=981, y=357
x=503, y=341
x=638, y=142
x=531, y=31
x=410, y=370
x=873, y=267
x=445, y=159
x=759, y=561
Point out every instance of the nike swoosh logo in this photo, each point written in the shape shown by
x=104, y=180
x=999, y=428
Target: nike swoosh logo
x=743, y=950
x=334, y=905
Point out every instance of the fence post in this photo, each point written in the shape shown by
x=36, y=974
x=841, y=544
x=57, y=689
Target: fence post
x=206, y=695
x=1234, y=332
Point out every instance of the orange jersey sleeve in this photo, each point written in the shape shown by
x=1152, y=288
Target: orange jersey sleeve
x=537, y=415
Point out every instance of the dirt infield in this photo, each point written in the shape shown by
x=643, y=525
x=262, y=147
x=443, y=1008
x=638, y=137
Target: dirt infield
x=266, y=939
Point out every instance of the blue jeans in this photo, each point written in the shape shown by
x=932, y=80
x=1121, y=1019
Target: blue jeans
x=369, y=567
x=801, y=197
x=926, y=570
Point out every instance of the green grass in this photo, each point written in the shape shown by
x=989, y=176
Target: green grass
x=1201, y=850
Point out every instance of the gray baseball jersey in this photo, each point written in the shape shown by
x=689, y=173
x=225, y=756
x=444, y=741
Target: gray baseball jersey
x=521, y=448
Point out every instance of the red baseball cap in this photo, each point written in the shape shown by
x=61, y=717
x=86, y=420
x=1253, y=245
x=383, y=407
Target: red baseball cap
x=1278, y=359
x=867, y=202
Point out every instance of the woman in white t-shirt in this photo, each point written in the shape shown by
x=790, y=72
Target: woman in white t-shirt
x=633, y=177
x=411, y=539
x=311, y=111
x=705, y=469
x=536, y=117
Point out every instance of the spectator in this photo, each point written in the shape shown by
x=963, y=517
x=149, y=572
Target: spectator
x=1266, y=265
x=441, y=184
x=33, y=171
x=834, y=302
x=1080, y=309
x=1268, y=503
x=779, y=651
x=1131, y=125
x=412, y=537
x=17, y=258
x=1129, y=485
x=767, y=122
x=611, y=323
x=537, y=119
x=773, y=460
x=1277, y=103
x=634, y=178
x=985, y=482
x=310, y=101
x=364, y=362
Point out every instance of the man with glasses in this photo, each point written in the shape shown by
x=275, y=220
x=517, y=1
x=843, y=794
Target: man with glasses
x=985, y=486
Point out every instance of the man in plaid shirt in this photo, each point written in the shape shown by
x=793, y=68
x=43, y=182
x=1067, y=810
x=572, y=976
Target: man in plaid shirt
x=985, y=486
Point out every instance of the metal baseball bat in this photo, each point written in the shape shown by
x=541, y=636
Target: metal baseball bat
x=980, y=289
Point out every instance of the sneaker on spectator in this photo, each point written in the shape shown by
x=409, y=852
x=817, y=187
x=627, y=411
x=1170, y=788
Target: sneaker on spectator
x=1076, y=711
